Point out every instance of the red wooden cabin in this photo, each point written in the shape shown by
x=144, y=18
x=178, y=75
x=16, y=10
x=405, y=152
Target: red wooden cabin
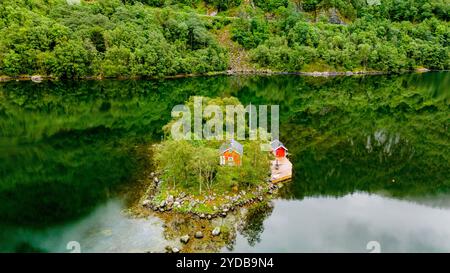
x=231, y=153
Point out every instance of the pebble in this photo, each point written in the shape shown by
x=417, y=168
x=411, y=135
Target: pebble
x=170, y=199
x=184, y=239
x=216, y=231
x=198, y=235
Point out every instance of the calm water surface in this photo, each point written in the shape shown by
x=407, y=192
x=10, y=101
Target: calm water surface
x=371, y=159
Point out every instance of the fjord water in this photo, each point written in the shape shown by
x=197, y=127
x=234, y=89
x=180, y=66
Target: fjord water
x=370, y=154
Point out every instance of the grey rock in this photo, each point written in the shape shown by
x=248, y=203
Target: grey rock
x=184, y=239
x=209, y=216
x=202, y=215
x=146, y=203
x=216, y=231
x=175, y=250
x=163, y=203
x=198, y=235
x=36, y=78
x=169, y=199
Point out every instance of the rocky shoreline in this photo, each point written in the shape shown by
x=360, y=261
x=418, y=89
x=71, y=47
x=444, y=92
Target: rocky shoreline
x=40, y=78
x=174, y=203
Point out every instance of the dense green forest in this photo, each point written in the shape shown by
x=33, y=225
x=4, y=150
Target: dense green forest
x=113, y=38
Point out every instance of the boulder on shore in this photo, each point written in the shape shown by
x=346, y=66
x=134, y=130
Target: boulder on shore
x=184, y=239
x=216, y=231
x=198, y=235
x=36, y=78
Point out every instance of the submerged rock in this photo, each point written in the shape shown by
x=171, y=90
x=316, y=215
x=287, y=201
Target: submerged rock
x=216, y=231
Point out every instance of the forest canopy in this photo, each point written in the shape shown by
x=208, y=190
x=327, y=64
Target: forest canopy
x=114, y=38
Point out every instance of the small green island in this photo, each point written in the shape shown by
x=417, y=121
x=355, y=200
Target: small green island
x=210, y=177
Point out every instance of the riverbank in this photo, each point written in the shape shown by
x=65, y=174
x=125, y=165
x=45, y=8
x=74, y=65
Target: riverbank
x=40, y=78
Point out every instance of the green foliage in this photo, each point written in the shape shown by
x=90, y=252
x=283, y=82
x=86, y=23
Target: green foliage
x=222, y=5
x=363, y=45
x=156, y=38
x=250, y=33
x=270, y=5
x=106, y=38
x=194, y=164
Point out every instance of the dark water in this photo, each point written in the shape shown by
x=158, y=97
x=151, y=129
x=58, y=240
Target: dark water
x=371, y=159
